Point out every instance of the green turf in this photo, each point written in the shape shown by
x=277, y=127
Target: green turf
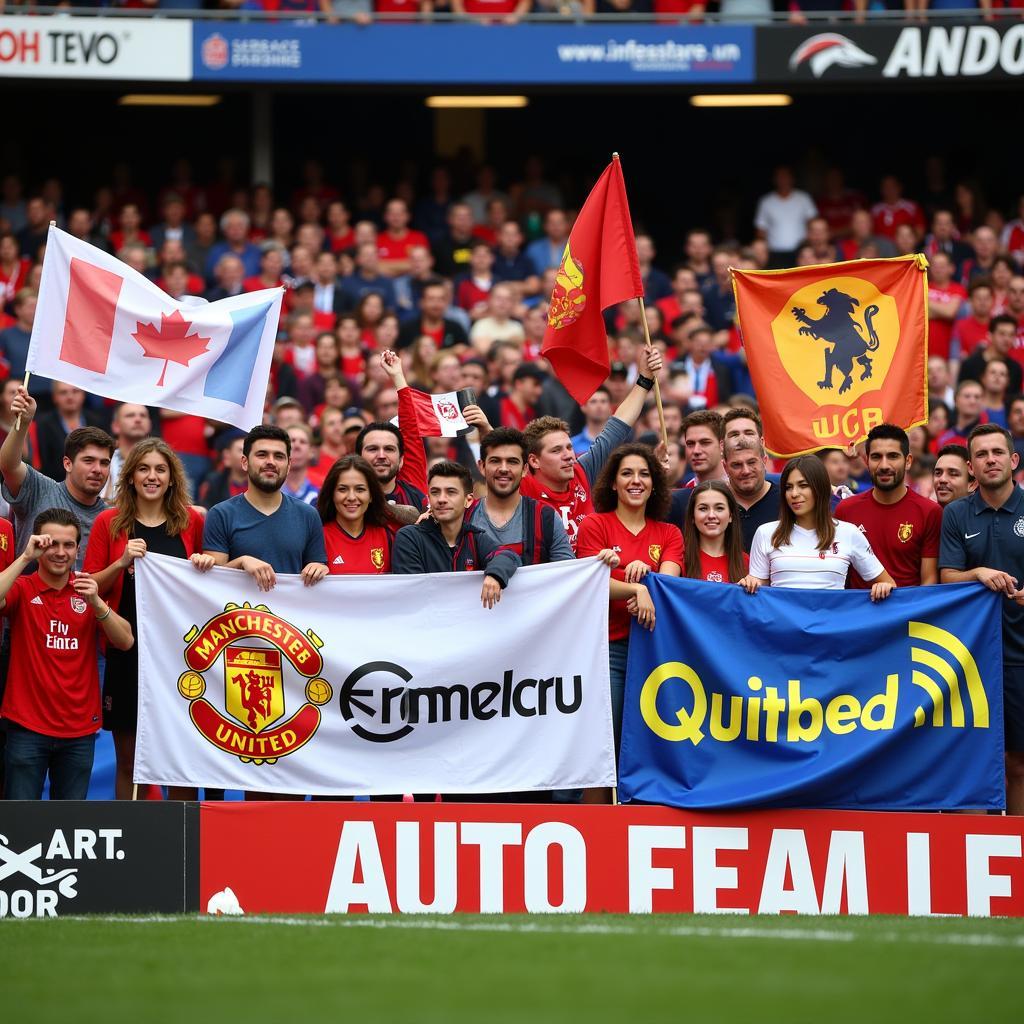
x=527, y=970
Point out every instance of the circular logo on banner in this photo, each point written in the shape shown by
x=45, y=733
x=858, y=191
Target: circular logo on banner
x=836, y=338
x=214, y=52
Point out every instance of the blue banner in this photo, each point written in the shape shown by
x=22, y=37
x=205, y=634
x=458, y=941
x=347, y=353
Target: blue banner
x=472, y=54
x=790, y=698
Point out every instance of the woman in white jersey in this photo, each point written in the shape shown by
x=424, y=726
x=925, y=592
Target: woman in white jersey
x=807, y=549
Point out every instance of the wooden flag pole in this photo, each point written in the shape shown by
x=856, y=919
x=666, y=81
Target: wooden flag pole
x=657, y=386
x=28, y=373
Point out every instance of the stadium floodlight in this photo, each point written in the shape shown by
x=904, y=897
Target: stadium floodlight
x=476, y=102
x=140, y=99
x=765, y=99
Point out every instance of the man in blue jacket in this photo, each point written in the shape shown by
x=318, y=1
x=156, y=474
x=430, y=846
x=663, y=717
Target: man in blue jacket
x=445, y=542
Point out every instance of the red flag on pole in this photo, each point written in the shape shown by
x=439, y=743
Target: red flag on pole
x=599, y=269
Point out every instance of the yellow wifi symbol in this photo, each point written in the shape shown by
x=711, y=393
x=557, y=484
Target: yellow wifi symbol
x=960, y=660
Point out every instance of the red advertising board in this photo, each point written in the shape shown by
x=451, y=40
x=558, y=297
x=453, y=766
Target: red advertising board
x=494, y=858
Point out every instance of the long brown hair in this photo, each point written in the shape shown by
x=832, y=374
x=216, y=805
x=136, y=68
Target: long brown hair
x=824, y=525
x=733, y=534
x=378, y=513
x=605, y=498
x=176, y=499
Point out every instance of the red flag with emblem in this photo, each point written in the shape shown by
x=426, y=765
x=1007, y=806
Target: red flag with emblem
x=835, y=350
x=599, y=269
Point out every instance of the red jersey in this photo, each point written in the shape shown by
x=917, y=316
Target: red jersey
x=511, y=416
x=13, y=281
x=490, y=7
x=886, y=219
x=341, y=242
x=53, y=687
x=901, y=534
x=715, y=568
x=6, y=544
x=968, y=334
x=470, y=293
x=941, y=331
x=656, y=544
x=391, y=248
x=573, y=505
x=369, y=554
x=185, y=434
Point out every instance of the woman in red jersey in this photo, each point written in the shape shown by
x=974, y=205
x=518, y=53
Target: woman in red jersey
x=355, y=515
x=151, y=513
x=712, y=538
x=631, y=497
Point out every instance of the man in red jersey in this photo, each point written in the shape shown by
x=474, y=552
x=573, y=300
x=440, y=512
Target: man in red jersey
x=564, y=482
x=394, y=243
x=902, y=527
x=52, y=701
x=945, y=297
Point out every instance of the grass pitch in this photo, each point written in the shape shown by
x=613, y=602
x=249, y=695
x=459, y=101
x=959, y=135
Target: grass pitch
x=627, y=970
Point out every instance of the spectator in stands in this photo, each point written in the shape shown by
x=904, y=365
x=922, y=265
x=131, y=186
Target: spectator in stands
x=782, y=554
x=234, y=226
x=512, y=265
x=367, y=278
x=498, y=322
x=968, y=413
x=901, y=526
x=394, y=243
x=151, y=513
x=230, y=478
x=87, y=453
x=758, y=499
x=546, y=253
x=409, y=287
x=979, y=546
x=630, y=501
x=945, y=239
x=453, y=251
x=358, y=522
x=986, y=250
x=473, y=287
x=129, y=425
x=271, y=268
x=951, y=476
x=893, y=210
x=432, y=321
x=14, y=269
x=994, y=381
x=598, y=411
x=14, y=342
x=32, y=237
x=230, y=277
x=972, y=330
x=1000, y=341
x=174, y=225
x=712, y=540
x=52, y=428
x=51, y=706
x=656, y=282
x=863, y=240
x=297, y=484
x=782, y=217
x=945, y=297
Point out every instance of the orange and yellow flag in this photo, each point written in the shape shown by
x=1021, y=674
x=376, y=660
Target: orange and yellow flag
x=835, y=350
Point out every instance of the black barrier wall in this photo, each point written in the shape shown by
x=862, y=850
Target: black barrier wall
x=78, y=857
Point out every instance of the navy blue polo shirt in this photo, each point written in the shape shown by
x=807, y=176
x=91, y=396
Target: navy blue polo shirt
x=974, y=535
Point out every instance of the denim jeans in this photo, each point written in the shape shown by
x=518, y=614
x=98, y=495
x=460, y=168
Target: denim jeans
x=30, y=755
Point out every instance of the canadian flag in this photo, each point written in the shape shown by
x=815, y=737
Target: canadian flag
x=439, y=415
x=107, y=329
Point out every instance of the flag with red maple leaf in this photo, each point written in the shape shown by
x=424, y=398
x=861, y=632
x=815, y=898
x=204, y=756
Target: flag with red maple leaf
x=171, y=342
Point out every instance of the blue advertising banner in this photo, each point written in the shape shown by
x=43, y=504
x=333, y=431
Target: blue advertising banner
x=472, y=54
x=790, y=698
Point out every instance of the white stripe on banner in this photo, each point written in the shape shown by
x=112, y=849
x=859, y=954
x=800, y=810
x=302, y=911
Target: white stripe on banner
x=373, y=685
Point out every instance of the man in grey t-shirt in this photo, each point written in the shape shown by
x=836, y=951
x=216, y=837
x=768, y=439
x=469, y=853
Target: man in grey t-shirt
x=87, y=454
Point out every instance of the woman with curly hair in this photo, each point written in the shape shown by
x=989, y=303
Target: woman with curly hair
x=712, y=537
x=355, y=514
x=631, y=497
x=151, y=513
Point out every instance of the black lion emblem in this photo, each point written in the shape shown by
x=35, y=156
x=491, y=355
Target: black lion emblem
x=845, y=334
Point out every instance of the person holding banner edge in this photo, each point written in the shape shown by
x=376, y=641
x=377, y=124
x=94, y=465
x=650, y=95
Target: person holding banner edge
x=807, y=549
x=712, y=535
x=983, y=542
x=630, y=497
x=151, y=513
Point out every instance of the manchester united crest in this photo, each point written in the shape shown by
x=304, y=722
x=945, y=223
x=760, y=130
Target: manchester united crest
x=568, y=300
x=259, y=653
x=905, y=532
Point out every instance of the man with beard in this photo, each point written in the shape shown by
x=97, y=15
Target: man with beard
x=514, y=522
x=982, y=543
x=951, y=476
x=284, y=531
x=87, y=454
x=901, y=526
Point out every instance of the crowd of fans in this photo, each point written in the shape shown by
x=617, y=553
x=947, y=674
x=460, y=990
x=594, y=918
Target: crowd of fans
x=443, y=295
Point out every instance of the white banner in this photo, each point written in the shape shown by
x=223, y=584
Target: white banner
x=147, y=48
x=373, y=685
x=109, y=330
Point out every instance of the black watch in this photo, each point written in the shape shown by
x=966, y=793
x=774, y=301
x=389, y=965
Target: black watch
x=645, y=382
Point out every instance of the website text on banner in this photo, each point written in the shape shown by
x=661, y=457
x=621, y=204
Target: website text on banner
x=107, y=329
x=840, y=348
x=343, y=857
x=350, y=689
x=819, y=698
